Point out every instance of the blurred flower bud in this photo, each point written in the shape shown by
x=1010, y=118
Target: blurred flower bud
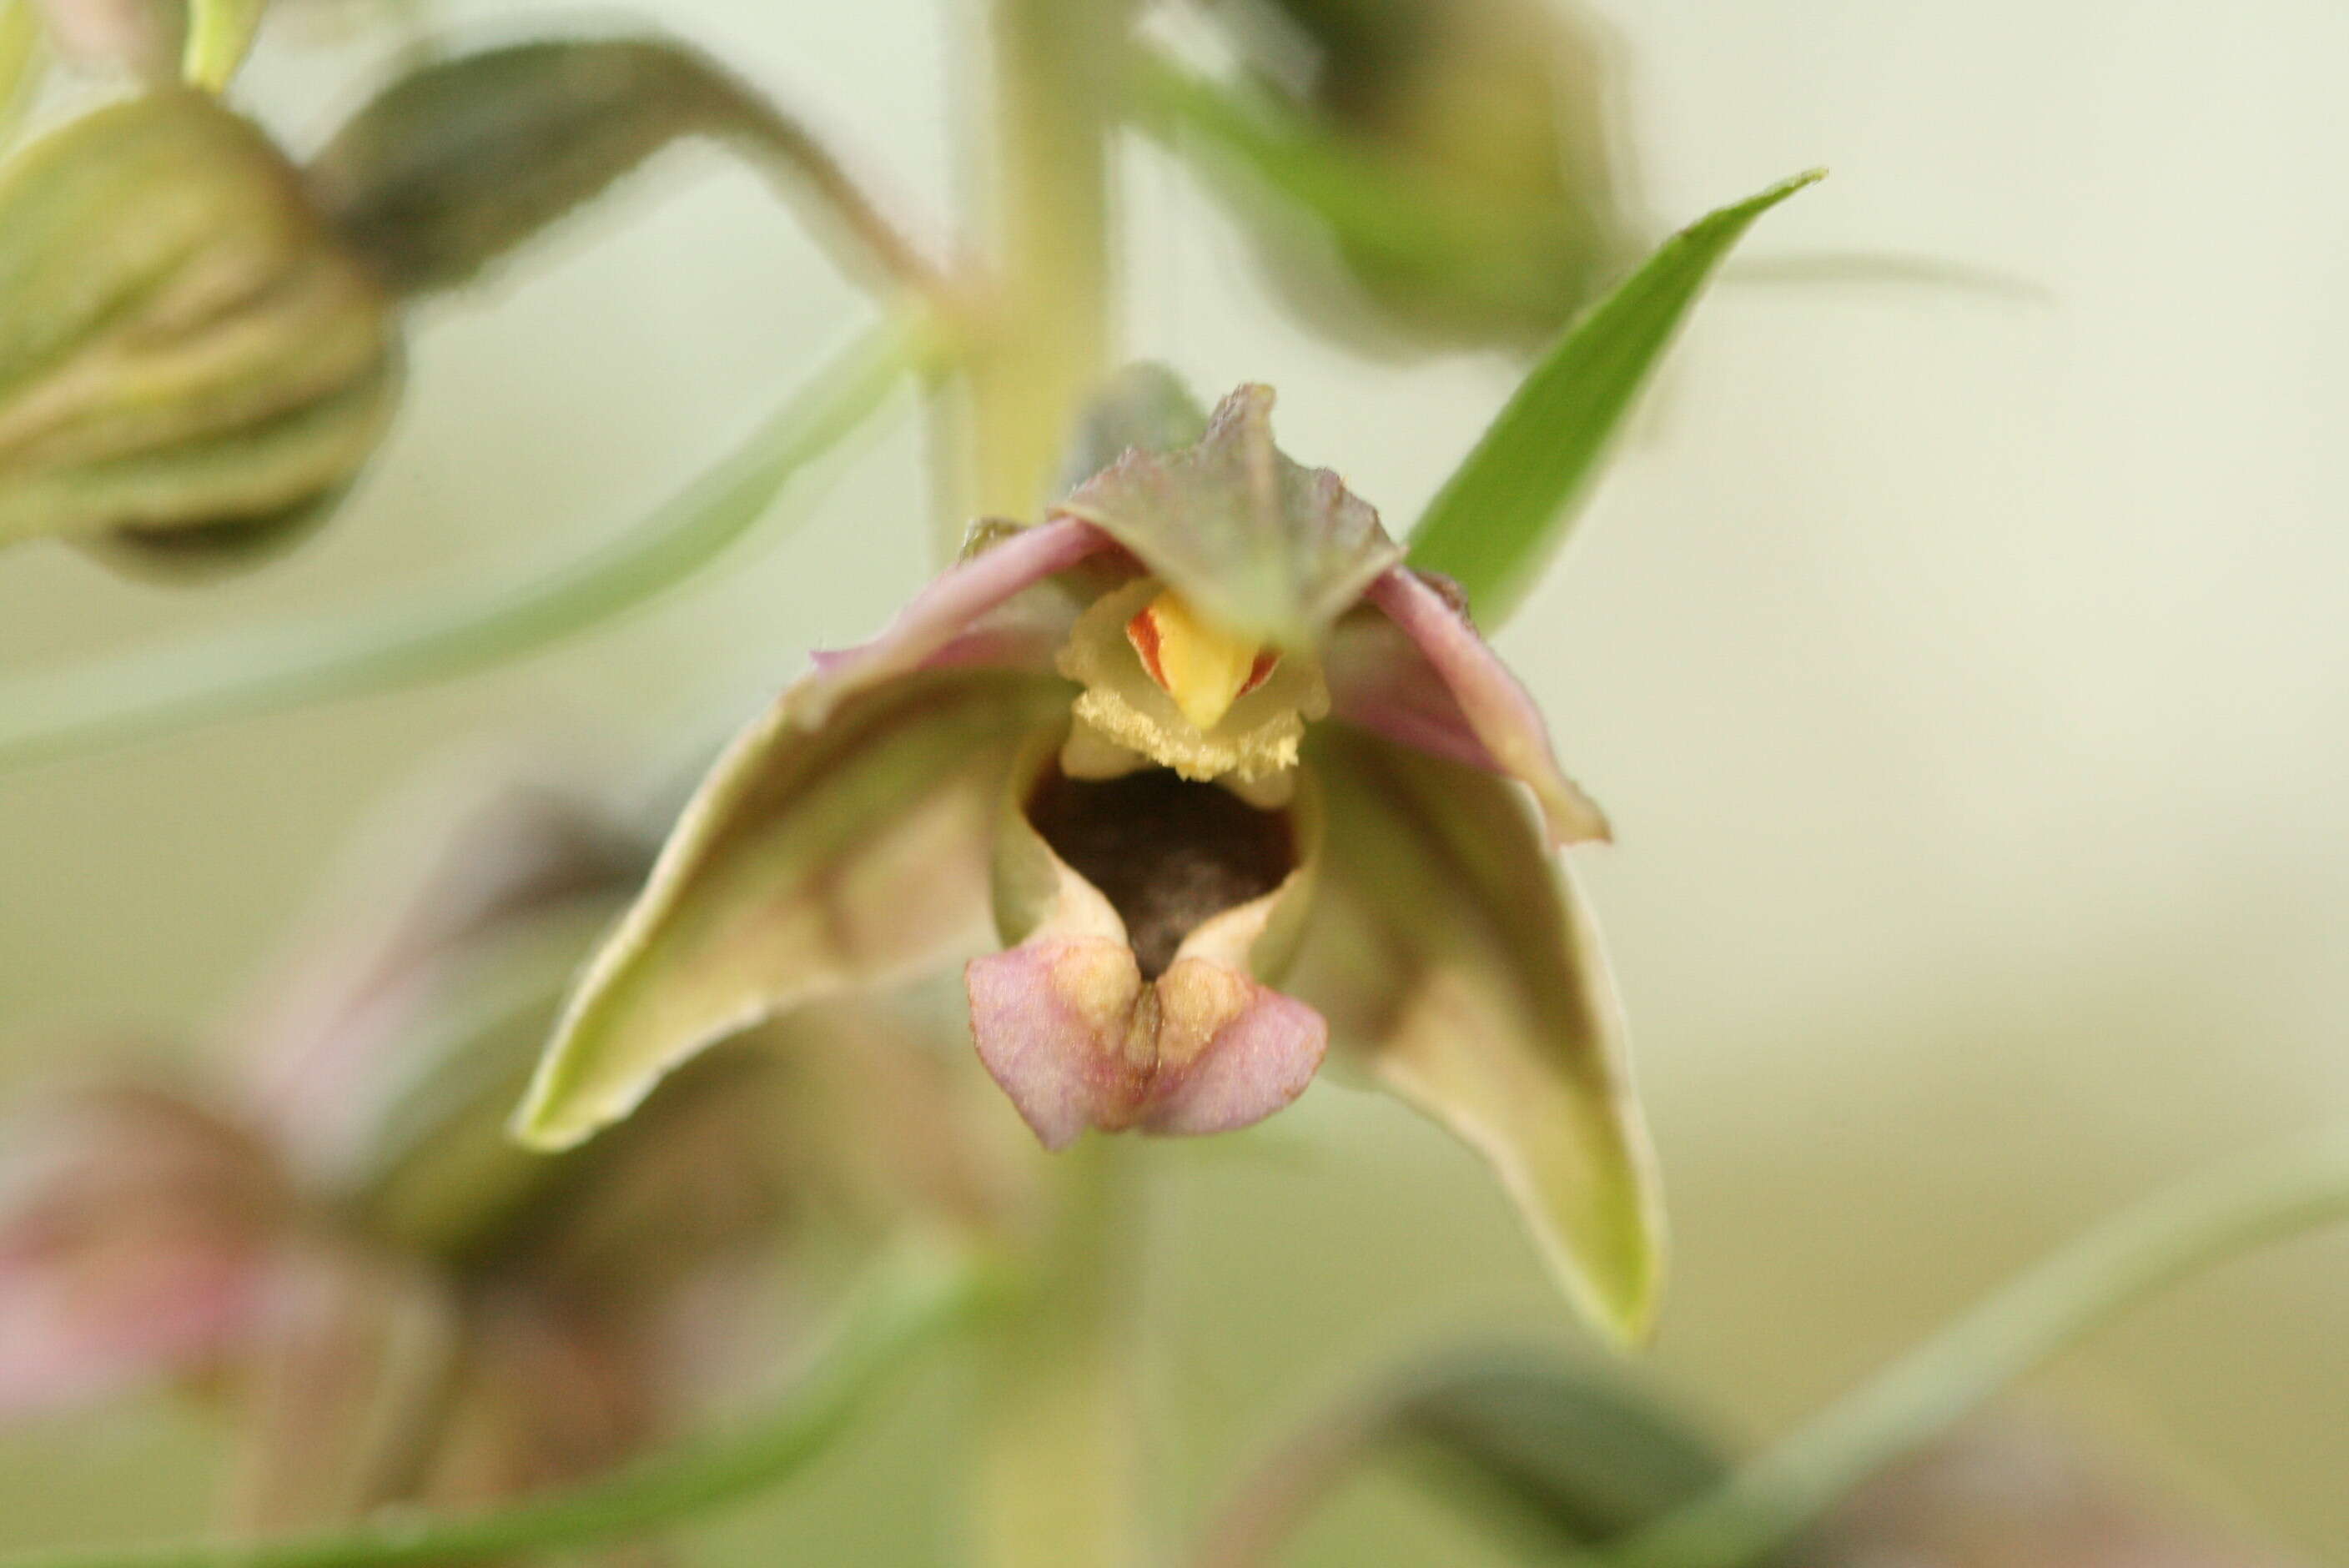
x=141, y=36
x=1475, y=141
x=190, y=361
x=460, y=162
x=133, y=1231
x=395, y=1303
x=1999, y=1494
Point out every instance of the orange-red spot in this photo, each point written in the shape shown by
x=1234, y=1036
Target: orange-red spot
x=1259, y=671
x=1142, y=633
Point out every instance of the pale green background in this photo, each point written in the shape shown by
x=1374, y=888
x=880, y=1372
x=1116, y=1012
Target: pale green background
x=1967, y=680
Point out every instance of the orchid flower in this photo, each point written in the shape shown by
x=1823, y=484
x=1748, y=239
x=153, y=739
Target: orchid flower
x=1240, y=789
x=394, y=1303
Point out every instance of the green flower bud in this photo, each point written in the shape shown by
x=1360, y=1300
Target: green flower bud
x=1481, y=133
x=191, y=362
x=458, y=164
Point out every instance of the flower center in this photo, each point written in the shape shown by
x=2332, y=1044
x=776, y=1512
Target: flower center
x=1168, y=853
x=1204, y=669
x=1163, y=685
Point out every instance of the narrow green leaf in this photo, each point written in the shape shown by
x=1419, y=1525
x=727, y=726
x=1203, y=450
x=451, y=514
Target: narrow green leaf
x=1503, y=512
x=246, y=670
x=1570, y=1454
x=219, y=33
x=1557, y=1455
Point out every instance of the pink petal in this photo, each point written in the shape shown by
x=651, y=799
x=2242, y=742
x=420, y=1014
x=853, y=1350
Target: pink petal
x=1049, y=1019
x=1056, y=1025
x=133, y=1243
x=1439, y=688
x=1258, y=1060
x=66, y=1341
x=936, y=626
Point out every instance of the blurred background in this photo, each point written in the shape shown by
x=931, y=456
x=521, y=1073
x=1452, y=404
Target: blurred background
x=1966, y=673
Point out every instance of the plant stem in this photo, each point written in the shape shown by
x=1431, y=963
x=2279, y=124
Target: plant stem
x=1059, y=1469
x=20, y=60
x=156, y=691
x=2272, y=1194
x=1045, y=333
x=913, y=1299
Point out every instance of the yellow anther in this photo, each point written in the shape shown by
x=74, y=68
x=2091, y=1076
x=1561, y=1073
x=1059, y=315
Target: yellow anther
x=1204, y=670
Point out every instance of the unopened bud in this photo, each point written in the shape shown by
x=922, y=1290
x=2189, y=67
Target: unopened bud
x=1490, y=119
x=460, y=162
x=190, y=360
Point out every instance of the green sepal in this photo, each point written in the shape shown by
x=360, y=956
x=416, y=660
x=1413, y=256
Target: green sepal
x=1260, y=544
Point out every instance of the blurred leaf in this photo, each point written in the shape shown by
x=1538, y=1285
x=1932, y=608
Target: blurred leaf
x=1303, y=163
x=251, y=669
x=1565, y=1449
x=220, y=32
x=1500, y=516
x=1556, y=1453
x=463, y=160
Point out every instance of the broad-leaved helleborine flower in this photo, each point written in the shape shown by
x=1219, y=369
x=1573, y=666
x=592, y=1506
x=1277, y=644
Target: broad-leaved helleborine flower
x=395, y=1303
x=1198, y=731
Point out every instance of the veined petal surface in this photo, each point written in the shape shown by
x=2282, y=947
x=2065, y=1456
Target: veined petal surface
x=1458, y=967
x=813, y=859
x=1261, y=545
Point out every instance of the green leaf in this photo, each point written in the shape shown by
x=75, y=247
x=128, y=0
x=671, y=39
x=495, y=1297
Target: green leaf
x=1557, y=1454
x=219, y=33
x=242, y=670
x=1503, y=512
x=1550, y=1447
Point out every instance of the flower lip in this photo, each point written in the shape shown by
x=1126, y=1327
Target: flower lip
x=1168, y=854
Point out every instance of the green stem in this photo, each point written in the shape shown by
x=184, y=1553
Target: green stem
x=1058, y=1468
x=2271, y=1195
x=20, y=57
x=155, y=692
x=1044, y=337
x=913, y=1299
